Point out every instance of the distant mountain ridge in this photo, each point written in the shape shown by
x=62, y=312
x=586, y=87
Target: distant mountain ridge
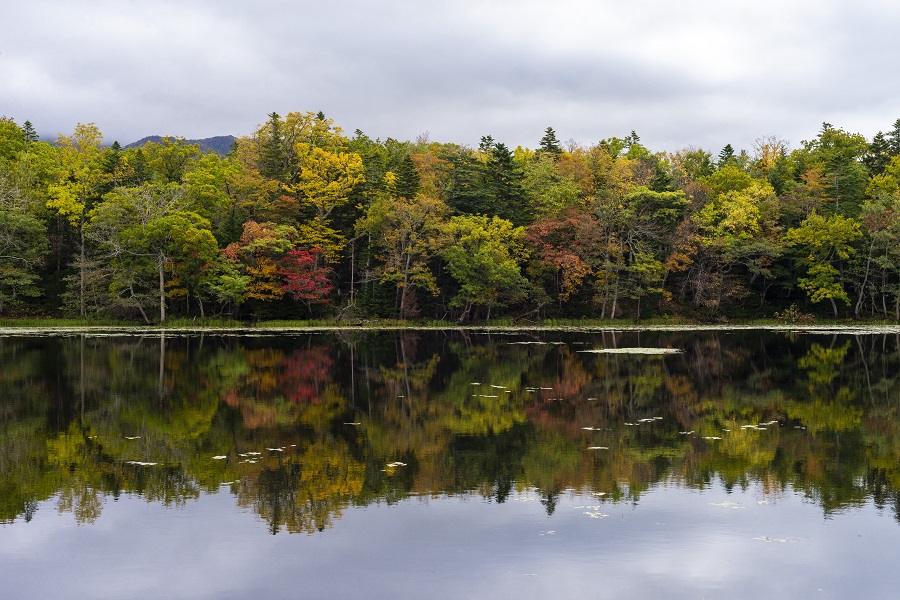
x=220, y=144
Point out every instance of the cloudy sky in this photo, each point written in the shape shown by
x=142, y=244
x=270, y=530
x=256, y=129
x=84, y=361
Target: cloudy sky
x=697, y=73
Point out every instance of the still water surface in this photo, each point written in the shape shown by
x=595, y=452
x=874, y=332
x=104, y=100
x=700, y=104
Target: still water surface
x=450, y=464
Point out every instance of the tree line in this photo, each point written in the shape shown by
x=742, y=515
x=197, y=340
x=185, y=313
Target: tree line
x=302, y=221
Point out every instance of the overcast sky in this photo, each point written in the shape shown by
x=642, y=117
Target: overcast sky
x=699, y=73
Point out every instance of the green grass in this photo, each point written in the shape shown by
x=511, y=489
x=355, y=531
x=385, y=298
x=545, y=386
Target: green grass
x=33, y=322
x=362, y=323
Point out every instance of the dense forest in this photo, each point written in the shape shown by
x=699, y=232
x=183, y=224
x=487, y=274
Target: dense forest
x=301, y=221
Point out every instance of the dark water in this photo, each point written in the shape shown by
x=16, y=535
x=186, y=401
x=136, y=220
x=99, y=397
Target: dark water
x=752, y=464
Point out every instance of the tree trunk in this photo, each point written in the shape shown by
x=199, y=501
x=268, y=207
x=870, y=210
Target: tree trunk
x=405, y=285
x=81, y=276
x=862, y=288
x=162, y=291
x=138, y=303
x=352, y=271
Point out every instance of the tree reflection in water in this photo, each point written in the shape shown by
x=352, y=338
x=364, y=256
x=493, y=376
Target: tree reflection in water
x=312, y=424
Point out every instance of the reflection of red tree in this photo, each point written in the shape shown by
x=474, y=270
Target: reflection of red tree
x=306, y=372
x=253, y=415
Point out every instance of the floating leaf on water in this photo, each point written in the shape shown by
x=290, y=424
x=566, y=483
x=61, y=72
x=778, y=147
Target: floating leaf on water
x=686, y=432
x=596, y=515
x=727, y=504
x=778, y=540
x=711, y=437
x=352, y=423
x=598, y=447
x=254, y=453
x=475, y=383
x=132, y=437
x=219, y=457
x=499, y=387
x=275, y=449
x=654, y=351
x=141, y=464
x=396, y=464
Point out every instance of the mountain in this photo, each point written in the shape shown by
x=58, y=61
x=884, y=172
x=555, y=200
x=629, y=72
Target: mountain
x=220, y=144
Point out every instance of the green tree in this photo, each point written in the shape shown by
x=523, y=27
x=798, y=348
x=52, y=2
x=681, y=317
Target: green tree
x=407, y=178
x=76, y=190
x=12, y=140
x=549, y=143
x=23, y=245
x=147, y=232
x=407, y=234
x=825, y=243
x=483, y=256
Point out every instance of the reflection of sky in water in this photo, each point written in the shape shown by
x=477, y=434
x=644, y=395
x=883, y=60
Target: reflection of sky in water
x=675, y=543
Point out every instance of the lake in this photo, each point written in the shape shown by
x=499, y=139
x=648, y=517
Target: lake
x=743, y=463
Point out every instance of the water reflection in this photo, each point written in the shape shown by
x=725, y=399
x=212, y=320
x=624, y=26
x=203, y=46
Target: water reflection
x=300, y=427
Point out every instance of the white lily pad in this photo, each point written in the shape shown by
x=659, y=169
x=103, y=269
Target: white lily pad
x=652, y=351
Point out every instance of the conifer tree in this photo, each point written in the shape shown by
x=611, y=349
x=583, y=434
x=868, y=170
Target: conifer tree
x=30, y=134
x=407, y=178
x=549, y=143
x=725, y=156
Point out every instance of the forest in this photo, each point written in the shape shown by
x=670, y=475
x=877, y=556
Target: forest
x=300, y=221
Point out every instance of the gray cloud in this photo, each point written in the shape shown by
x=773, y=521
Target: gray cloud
x=697, y=72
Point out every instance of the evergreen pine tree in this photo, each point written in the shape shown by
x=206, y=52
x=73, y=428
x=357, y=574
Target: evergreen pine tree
x=407, y=178
x=893, y=139
x=272, y=153
x=878, y=155
x=30, y=133
x=505, y=182
x=725, y=156
x=549, y=143
x=631, y=139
